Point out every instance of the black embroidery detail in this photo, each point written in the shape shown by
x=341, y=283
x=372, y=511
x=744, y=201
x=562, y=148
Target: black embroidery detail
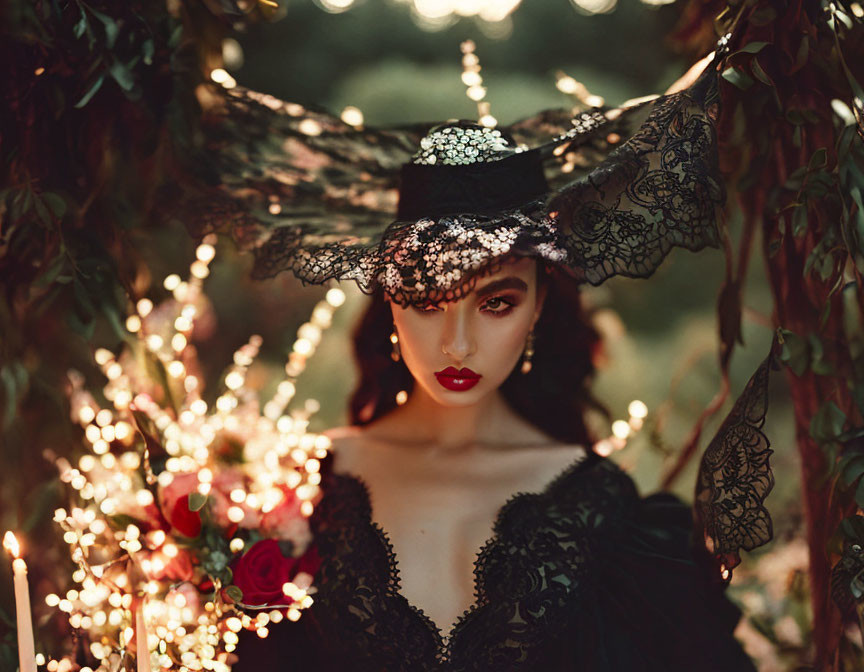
x=735, y=476
x=847, y=577
x=658, y=190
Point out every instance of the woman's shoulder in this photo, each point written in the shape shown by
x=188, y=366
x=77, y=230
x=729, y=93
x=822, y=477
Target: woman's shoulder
x=342, y=432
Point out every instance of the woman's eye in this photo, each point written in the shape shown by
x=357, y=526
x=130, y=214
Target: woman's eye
x=427, y=308
x=497, y=305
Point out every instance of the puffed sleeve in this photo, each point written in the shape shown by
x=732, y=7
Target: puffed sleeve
x=653, y=603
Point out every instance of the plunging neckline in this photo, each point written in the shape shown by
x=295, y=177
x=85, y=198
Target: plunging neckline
x=444, y=641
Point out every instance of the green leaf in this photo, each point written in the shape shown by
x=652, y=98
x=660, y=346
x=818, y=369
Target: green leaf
x=818, y=160
x=14, y=379
x=853, y=528
x=828, y=422
x=853, y=469
x=796, y=178
x=799, y=221
x=196, y=501
x=114, y=319
x=759, y=73
x=94, y=87
x=795, y=352
x=81, y=26
x=84, y=327
x=122, y=75
x=826, y=267
x=818, y=363
x=737, y=78
x=83, y=300
x=55, y=203
x=111, y=27
x=234, y=593
x=54, y=267
x=147, y=428
x=752, y=47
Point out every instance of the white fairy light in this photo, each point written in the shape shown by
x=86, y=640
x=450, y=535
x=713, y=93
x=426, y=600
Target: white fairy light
x=144, y=307
x=310, y=127
x=171, y=282
x=591, y=7
x=621, y=429
x=637, y=409
x=352, y=116
x=133, y=323
x=335, y=6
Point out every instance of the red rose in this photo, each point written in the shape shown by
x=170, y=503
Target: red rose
x=174, y=501
x=262, y=571
x=184, y=520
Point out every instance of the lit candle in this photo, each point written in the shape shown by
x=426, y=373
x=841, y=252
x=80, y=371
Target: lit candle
x=141, y=647
x=26, y=648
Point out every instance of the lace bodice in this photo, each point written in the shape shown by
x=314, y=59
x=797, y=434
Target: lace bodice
x=547, y=562
x=585, y=575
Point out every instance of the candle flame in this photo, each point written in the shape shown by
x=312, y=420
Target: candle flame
x=10, y=543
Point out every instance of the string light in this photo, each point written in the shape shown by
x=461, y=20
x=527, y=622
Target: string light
x=591, y=7
x=623, y=430
x=432, y=14
x=572, y=87
x=474, y=81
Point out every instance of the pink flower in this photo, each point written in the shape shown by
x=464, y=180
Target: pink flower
x=178, y=568
x=224, y=482
x=285, y=520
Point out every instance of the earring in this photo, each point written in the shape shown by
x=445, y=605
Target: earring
x=396, y=354
x=528, y=353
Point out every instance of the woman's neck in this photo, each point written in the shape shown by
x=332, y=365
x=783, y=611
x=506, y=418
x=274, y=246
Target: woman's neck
x=422, y=420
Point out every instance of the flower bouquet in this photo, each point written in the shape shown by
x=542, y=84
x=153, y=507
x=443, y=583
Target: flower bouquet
x=189, y=522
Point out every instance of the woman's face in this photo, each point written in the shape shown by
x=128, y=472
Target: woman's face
x=460, y=351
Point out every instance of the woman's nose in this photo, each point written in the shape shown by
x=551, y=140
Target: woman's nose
x=458, y=336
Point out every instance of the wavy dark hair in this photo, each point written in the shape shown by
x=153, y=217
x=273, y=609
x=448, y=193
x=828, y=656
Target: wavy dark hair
x=553, y=396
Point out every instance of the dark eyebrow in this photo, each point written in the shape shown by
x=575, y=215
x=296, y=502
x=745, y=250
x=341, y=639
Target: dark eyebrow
x=510, y=282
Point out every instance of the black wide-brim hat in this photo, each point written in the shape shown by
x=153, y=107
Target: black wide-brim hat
x=421, y=211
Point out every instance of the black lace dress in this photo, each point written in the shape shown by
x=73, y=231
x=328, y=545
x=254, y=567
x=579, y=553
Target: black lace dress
x=584, y=576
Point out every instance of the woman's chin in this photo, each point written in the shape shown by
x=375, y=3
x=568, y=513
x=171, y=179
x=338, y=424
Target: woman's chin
x=456, y=398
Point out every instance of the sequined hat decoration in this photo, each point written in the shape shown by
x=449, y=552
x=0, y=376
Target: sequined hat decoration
x=455, y=145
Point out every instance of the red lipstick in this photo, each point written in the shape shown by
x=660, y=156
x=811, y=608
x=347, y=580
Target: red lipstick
x=457, y=380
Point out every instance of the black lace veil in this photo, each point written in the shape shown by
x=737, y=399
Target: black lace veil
x=306, y=192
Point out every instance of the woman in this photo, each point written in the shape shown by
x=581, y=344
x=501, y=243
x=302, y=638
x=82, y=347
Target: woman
x=471, y=527
x=429, y=559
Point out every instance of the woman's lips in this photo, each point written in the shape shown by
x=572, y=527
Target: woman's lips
x=457, y=380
